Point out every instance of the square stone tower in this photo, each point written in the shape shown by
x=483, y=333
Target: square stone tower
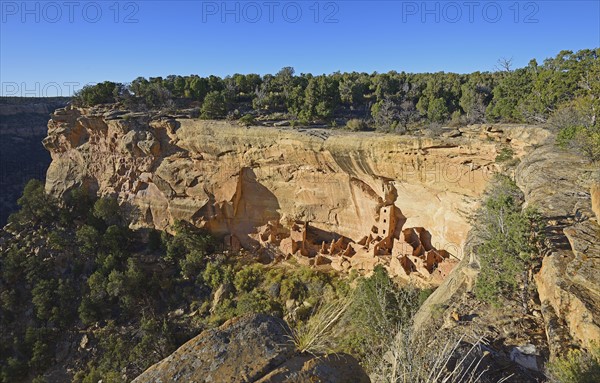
x=388, y=219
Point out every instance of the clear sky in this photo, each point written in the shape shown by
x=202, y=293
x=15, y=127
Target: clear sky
x=50, y=47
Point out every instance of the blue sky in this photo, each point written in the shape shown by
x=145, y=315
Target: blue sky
x=50, y=47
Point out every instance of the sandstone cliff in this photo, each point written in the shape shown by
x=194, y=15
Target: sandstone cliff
x=235, y=180
x=568, y=283
x=562, y=186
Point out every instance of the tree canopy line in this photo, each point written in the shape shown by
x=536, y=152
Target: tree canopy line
x=565, y=87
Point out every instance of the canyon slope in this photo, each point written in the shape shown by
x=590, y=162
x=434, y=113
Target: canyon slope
x=23, y=125
x=563, y=312
x=258, y=184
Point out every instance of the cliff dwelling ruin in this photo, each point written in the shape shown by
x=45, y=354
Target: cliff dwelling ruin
x=406, y=252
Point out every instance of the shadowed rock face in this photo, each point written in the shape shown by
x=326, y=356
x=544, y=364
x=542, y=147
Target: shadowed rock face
x=254, y=348
x=23, y=125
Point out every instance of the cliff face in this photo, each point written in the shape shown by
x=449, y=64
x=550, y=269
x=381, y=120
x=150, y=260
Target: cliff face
x=257, y=183
x=23, y=125
x=563, y=188
x=234, y=180
x=568, y=282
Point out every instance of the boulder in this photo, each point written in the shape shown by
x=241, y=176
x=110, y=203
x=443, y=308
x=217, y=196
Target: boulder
x=253, y=348
x=335, y=368
x=526, y=356
x=241, y=350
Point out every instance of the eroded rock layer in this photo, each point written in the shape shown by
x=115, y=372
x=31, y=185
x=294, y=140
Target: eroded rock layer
x=557, y=183
x=234, y=180
x=562, y=186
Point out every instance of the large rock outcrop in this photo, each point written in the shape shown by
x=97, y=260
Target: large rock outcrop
x=557, y=183
x=254, y=348
x=561, y=186
x=234, y=180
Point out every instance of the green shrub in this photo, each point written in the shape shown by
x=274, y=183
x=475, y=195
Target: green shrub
x=154, y=335
x=217, y=273
x=35, y=205
x=90, y=95
x=577, y=128
x=456, y=119
x=214, y=106
x=506, y=154
x=57, y=240
x=303, y=283
x=256, y=302
x=247, y=120
x=356, y=125
x=293, y=288
x=510, y=239
x=13, y=368
x=274, y=275
x=116, y=284
x=223, y=312
x=192, y=264
x=107, y=209
x=585, y=140
x=88, y=311
x=576, y=366
x=115, y=239
x=80, y=202
x=187, y=239
x=566, y=135
x=40, y=357
x=93, y=376
x=42, y=297
x=88, y=239
x=248, y=278
x=379, y=306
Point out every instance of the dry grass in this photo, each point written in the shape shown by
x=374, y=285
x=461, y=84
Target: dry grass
x=314, y=336
x=380, y=318
x=411, y=360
